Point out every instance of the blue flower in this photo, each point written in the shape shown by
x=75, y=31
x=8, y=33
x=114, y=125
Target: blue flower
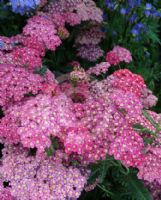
x=137, y=29
x=110, y=5
x=1, y=44
x=155, y=13
x=148, y=6
x=134, y=3
x=123, y=11
x=105, y=16
x=104, y=29
x=147, y=13
x=135, y=32
x=140, y=25
x=133, y=18
x=23, y=6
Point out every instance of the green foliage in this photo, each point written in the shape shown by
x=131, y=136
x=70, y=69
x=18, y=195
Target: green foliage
x=54, y=146
x=116, y=182
x=142, y=129
x=41, y=70
x=10, y=23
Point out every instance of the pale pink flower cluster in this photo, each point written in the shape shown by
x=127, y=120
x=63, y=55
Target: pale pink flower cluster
x=90, y=36
x=90, y=52
x=85, y=10
x=148, y=99
x=72, y=18
x=117, y=55
x=73, y=12
x=32, y=178
x=151, y=168
x=99, y=68
x=87, y=43
x=79, y=75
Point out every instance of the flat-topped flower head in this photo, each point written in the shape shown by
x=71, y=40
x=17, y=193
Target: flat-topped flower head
x=31, y=178
x=117, y=55
x=16, y=83
x=43, y=30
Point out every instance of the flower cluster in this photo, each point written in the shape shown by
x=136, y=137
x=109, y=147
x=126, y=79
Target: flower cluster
x=87, y=43
x=36, y=119
x=126, y=147
x=32, y=178
x=127, y=81
x=117, y=55
x=90, y=52
x=16, y=83
x=99, y=68
x=154, y=189
x=150, y=169
x=87, y=119
x=5, y=193
x=46, y=29
x=43, y=30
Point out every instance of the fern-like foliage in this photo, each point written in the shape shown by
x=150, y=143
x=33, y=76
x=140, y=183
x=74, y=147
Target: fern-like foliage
x=116, y=182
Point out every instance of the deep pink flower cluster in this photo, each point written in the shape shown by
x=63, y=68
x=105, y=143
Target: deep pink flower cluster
x=5, y=193
x=127, y=81
x=34, y=43
x=127, y=103
x=32, y=178
x=43, y=30
x=78, y=140
x=117, y=55
x=35, y=120
x=128, y=148
x=27, y=57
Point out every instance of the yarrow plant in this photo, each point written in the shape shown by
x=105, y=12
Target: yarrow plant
x=66, y=135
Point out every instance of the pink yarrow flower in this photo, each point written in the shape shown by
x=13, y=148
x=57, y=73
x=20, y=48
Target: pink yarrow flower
x=117, y=55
